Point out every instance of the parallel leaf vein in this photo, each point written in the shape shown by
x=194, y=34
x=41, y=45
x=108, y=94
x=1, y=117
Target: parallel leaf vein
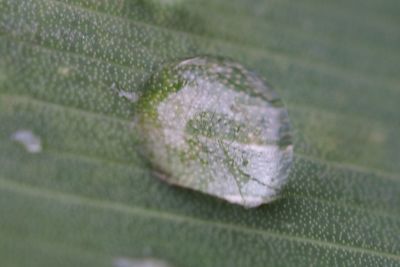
x=168, y=216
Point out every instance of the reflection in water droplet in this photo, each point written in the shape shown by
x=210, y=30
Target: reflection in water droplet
x=31, y=142
x=126, y=262
x=211, y=125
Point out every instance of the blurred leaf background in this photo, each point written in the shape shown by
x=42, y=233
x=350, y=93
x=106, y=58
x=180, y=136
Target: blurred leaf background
x=88, y=199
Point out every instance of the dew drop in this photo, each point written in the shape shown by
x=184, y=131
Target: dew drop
x=211, y=125
x=28, y=139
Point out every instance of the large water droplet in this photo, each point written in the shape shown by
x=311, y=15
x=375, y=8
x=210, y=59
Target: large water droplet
x=211, y=125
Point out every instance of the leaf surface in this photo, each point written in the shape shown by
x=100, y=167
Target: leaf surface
x=89, y=198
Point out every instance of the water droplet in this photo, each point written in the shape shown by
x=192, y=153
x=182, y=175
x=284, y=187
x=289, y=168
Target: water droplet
x=30, y=141
x=211, y=125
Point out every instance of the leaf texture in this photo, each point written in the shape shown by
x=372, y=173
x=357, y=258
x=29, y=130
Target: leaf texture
x=89, y=198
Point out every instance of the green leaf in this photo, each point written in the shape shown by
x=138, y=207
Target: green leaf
x=89, y=199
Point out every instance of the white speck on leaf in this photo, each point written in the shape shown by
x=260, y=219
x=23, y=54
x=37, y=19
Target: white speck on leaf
x=64, y=71
x=128, y=95
x=132, y=96
x=29, y=140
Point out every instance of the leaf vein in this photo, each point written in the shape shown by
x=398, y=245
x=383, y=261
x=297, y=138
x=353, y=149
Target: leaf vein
x=168, y=216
